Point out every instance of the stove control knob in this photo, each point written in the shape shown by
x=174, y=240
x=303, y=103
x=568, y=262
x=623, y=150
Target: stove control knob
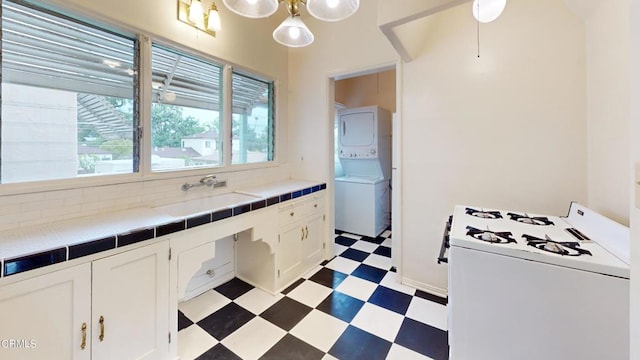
x=373, y=151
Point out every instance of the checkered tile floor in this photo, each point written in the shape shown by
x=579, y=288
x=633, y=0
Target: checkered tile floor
x=348, y=308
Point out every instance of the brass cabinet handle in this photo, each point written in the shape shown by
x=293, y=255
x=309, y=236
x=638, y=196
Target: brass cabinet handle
x=315, y=205
x=101, y=321
x=84, y=336
x=307, y=232
x=302, y=235
x=291, y=213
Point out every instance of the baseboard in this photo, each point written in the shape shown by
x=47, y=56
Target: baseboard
x=433, y=290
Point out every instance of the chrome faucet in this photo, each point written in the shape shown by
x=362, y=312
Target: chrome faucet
x=209, y=180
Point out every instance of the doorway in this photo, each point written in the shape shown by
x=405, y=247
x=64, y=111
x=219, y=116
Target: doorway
x=373, y=88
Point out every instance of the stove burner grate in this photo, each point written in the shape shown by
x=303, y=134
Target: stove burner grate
x=484, y=214
x=565, y=248
x=533, y=220
x=501, y=237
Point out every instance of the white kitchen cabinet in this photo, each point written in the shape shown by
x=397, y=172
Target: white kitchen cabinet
x=300, y=238
x=112, y=308
x=131, y=297
x=43, y=316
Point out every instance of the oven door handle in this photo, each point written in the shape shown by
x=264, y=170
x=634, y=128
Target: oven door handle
x=445, y=242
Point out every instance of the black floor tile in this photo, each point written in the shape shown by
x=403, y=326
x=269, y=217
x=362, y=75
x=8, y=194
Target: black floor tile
x=234, y=288
x=391, y=299
x=293, y=286
x=431, y=297
x=424, y=339
x=292, y=348
x=219, y=352
x=345, y=241
x=183, y=321
x=370, y=273
x=383, y=251
x=226, y=320
x=338, y=232
x=341, y=306
x=377, y=240
x=329, y=278
x=354, y=254
x=286, y=313
x=356, y=344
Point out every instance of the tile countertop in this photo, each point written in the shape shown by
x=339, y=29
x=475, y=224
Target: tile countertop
x=32, y=247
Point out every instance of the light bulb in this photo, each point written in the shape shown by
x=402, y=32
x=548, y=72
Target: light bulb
x=333, y=3
x=294, y=32
x=196, y=15
x=252, y=2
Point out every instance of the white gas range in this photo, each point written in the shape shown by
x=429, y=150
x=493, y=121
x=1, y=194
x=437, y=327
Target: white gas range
x=527, y=286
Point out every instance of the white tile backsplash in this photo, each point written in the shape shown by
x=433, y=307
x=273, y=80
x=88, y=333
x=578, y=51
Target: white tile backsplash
x=25, y=210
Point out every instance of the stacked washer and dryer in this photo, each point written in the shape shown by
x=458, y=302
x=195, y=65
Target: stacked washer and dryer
x=363, y=194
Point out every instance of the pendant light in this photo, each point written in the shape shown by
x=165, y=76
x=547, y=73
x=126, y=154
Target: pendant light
x=488, y=10
x=292, y=31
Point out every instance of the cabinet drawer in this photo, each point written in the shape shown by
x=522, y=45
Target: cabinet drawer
x=314, y=206
x=291, y=214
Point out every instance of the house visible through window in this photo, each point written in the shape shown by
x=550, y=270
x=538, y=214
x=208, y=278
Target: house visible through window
x=67, y=98
x=185, y=112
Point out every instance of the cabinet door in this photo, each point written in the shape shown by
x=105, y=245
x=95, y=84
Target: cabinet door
x=312, y=250
x=42, y=317
x=289, y=255
x=131, y=297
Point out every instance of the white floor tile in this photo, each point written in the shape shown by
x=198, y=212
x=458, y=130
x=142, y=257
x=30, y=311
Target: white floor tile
x=257, y=300
x=378, y=321
x=319, y=329
x=339, y=249
x=253, y=339
x=386, y=233
x=352, y=236
x=310, y=293
x=390, y=281
x=357, y=288
x=193, y=342
x=398, y=352
x=343, y=265
x=328, y=357
x=387, y=243
x=203, y=305
x=428, y=312
x=365, y=246
x=379, y=261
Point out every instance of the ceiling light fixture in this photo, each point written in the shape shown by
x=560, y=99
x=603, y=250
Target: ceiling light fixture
x=488, y=10
x=192, y=12
x=292, y=31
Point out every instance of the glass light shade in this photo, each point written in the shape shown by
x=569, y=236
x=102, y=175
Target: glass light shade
x=332, y=10
x=488, y=10
x=196, y=14
x=293, y=33
x=252, y=8
x=213, y=21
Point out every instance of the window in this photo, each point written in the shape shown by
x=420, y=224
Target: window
x=185, y=114
x=68, y=107
x=252, y=120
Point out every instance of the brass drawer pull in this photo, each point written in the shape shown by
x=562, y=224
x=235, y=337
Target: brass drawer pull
x=84, y=336
x=291, y=213
x=101, y=321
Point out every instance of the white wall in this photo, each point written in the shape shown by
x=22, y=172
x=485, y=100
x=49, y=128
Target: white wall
x=245, y=43
x=634, y=211
x=507, y=130
x=607, y=31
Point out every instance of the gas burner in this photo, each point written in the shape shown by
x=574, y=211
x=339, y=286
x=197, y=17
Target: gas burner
x=567, y=248
x=484, y=214
x=502, y=237
x=533, y=220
